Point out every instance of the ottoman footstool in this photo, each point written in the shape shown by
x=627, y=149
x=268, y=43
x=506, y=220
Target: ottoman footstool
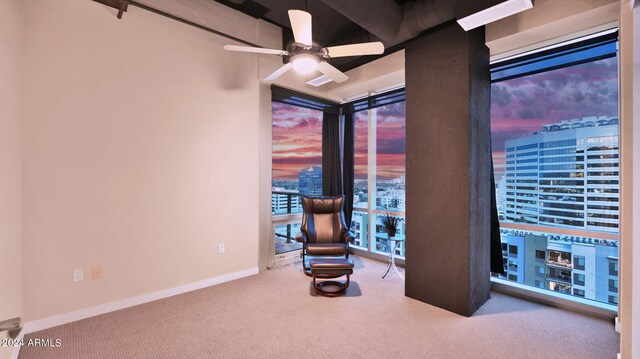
x=322, y=268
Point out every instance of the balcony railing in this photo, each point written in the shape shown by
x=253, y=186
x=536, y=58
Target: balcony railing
x=560, y=263
x=562, y=290
x=284, y=240
x=285, y=202
x=560, y=278
x=286, y=209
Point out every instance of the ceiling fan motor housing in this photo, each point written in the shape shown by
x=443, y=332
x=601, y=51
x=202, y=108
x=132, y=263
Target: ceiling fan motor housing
x=316, y=50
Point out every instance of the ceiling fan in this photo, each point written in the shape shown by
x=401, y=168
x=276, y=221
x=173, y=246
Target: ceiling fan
x=305, y=56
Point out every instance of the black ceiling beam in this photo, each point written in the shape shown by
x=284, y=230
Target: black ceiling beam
x=465, y=8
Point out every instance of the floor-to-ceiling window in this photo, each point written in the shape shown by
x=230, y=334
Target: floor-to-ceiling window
x=379, y=160
x=296, y=168
x=360, y=216
x=554, y=124
x=379, y=150
x=390, y=169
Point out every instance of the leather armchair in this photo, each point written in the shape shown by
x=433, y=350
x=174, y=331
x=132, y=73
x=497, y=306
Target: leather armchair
x=323, y=231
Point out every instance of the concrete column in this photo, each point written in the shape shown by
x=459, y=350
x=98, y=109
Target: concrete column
x=448, y=168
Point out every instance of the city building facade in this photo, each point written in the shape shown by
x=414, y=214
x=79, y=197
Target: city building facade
x=573, y=265
x=566, y=175
x=563, y=179
x=310, y=181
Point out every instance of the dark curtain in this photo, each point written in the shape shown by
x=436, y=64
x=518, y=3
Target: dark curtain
x=331, y=167
x=496, y=247
x=348, y=167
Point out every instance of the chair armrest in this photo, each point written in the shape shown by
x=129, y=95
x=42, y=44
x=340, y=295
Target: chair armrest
x=348, y=237
x=301, y=238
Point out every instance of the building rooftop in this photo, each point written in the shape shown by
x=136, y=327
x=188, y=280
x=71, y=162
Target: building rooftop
x=591, y=121
x=562, y=239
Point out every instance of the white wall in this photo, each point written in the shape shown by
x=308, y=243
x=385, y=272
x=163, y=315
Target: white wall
x=549, y=22
x=140, y=155
x=629, y=309
x=11, y=23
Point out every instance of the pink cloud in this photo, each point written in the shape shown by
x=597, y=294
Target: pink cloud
x=297, y=141
x=520, y=107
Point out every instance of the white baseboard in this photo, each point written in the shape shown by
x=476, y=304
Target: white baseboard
x=617, y=325
x=16, y=349
x=49, y=322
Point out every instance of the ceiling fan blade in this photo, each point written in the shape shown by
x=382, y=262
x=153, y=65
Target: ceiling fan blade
x=257, y=50
x=279, y=72
x=301, y=26
x=365, y=48
x=335, y=74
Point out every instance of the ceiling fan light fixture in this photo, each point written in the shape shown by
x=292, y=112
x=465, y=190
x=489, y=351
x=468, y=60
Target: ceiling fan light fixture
x=306, y=57
x=304, y=63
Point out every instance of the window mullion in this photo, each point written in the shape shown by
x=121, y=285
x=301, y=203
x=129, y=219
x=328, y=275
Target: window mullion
x=371, y=176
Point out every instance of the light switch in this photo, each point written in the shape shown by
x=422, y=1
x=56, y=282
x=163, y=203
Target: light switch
x=78, y=275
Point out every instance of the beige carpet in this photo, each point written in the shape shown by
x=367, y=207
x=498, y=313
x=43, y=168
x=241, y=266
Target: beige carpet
x=275, y=315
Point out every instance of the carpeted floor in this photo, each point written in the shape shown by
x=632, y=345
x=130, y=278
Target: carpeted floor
x=276, y=315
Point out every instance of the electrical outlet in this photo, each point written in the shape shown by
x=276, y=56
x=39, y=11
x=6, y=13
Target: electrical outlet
x=96, y=272
x=78, y=275
x=221, y=248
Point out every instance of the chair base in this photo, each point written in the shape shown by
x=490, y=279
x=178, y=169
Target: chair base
x=342, y=287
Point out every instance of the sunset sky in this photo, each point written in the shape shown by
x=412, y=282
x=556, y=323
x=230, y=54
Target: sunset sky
x=519, y=107
x=297, y=141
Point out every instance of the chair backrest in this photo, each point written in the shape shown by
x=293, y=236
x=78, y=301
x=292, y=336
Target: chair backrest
x=322, y=219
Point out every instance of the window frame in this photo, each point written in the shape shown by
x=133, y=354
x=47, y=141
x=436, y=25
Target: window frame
x=582, y=304
x=371, y=104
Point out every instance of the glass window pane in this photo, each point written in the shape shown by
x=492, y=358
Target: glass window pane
x=379, y=181
x=297, y=156
x=555, y=145
x=390, y=157
x=360, y=217
x=381, y=246
x=613, y=267
x=390, y=169
x=360, y=228
x=361, y=159
x=284, y=237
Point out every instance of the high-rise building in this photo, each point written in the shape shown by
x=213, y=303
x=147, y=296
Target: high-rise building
x=393, y=199
x=566, y=175
x=359, y=225
x=310, y=181
x=501, y=190
x=579, y=266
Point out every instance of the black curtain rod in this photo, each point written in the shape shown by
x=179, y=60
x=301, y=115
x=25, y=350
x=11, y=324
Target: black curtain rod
x=190, y=23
